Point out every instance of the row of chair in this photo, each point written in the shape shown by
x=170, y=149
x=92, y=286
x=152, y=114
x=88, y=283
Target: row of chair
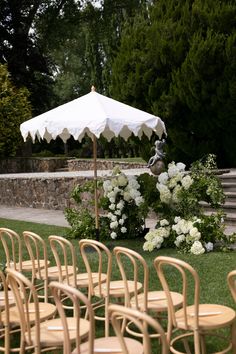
x=133, y=292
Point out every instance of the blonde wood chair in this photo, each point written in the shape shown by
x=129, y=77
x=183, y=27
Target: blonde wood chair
x=74, y=330
x=37, y=250
x=101, y=286
x=38, y=332
x=126, y=345
x=231, y=279
x=12, y=245
x=133, y=266
x=65, y=258
x=194, y=320
x=4, y=325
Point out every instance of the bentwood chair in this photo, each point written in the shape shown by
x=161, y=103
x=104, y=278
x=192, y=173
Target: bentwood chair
x=38, y=332
x=98, y=262
x=12, y=245
x=231, y=278
x=4, y=325
x=133, y=266
x=127, y=345
x=74, y=333
x=195, y=321
x=65, y=258
x=37, y=250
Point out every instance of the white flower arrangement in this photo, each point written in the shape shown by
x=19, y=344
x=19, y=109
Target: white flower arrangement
x=170, y=183
x=184, y=234
x=122, y=193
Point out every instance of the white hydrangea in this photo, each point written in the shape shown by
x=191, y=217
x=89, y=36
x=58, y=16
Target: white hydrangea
x=187, y=181
x=122, y=180
x=172, y=170
x=112, y=206
x=179, y=240
x=139, y=200
x=123, y=229
x=197, y=248
x=121, y=221
x=175, y=194
x=164, y=222
x=163, y=178
x=181, y=166
x=127, y=196
x=113, y=217
x=195, y=234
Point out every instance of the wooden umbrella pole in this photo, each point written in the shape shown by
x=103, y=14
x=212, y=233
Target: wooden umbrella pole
x=95, y=186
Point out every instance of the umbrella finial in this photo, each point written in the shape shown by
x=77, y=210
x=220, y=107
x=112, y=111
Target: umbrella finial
x=93, y=89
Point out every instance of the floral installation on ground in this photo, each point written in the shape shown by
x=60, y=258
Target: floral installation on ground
x=123, y=202
x=183, y=223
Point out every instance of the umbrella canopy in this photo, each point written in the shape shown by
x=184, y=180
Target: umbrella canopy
x=92, y=114
x=95, y=115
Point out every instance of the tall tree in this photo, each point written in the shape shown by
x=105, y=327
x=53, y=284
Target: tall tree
x=188, y=74
x=14, y=109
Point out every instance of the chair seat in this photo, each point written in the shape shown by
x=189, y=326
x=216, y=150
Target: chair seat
x=53, y=273
x=112, y=345
x=117, y=288
x=51, y=331
x=46, y=311
x=157, y=300
x=27, y=265
x=11, y=299
x=211, y=316
x=82, y=279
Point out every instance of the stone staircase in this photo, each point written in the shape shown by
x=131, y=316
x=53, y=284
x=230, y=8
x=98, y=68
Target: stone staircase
x=228, y=181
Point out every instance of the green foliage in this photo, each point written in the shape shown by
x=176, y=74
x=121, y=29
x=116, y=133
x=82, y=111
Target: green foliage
x=15, y=109
x=184, y=60
x=182, y=222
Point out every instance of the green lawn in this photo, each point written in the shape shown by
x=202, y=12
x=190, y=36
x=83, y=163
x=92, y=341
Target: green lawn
x=212, y=267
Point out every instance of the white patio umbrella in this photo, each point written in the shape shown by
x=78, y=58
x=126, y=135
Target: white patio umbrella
x=95, y=115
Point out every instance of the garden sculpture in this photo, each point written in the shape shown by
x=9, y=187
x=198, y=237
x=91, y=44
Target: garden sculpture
x=156, y=163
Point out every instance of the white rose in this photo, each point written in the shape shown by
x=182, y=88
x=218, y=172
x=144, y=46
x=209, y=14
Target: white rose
x=197, y=248
x=112, y=206
x=113, y=224
x=113, y=235
x=120, y=205
x=121, y=221
x=209, y=246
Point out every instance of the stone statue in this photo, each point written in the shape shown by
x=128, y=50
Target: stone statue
x=156, y=163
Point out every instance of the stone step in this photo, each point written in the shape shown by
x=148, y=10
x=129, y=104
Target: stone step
x=229, y=186
x=228, y=207
x=228, y=178
x=230, y=197
x=229, y=220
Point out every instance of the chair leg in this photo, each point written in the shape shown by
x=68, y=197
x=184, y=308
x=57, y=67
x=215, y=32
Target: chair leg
x=197, y=349
x=203, y=344
x=233, y=336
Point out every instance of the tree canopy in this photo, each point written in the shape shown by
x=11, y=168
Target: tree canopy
x=14, y=109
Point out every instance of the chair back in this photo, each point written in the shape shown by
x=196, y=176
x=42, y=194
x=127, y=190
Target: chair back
x=12, y=245
x=24, y=291
x=101, y=258
x=143, y=323
x=65, y=258
x=4, y=325
x=79, y=301
x=133, y=268
x=188, y=280
x=231, y=278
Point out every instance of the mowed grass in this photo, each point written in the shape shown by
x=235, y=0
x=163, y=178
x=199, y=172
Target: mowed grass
x=212, y=267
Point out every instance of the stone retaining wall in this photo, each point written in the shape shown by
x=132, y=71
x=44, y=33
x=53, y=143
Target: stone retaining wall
x=42, y=193
x=84, y=165
x=22, y=164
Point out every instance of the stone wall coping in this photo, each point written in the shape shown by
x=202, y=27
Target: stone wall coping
x=71, y=174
